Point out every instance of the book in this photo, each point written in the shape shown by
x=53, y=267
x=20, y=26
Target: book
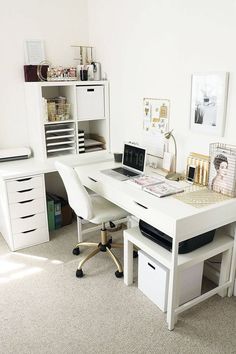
x=144, y=181
x=50, y=212
x=163, y=189
x=56, y=210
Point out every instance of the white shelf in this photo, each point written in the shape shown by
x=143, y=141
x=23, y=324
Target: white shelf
x=61, y=149
x=220, y=243
x=59, y=121
x=61, y=143
x=59, y=136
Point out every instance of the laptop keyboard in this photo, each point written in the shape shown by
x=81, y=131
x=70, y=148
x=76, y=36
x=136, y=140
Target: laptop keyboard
x=125, y=172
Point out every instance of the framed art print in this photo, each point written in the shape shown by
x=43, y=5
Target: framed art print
x=208, y=102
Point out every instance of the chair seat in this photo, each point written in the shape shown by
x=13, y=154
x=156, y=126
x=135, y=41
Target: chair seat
x=105, y=211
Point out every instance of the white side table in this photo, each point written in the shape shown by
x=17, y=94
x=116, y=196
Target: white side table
x=221, y=244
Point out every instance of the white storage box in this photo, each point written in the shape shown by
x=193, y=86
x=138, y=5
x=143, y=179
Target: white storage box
x=153, y=281
x=90, y=102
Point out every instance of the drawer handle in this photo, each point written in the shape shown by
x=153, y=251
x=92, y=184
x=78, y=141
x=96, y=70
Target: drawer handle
x=150, y=265
x=90, y=90
x=25, y=190
x=27, y=216
x=92, y=179
x=26, y=232
x=26, y=201
x=143, y=206
x=24, y=179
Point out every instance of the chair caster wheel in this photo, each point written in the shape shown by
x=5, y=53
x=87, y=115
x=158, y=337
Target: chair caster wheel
x=76, y=251
x=79, y=273
x=135, y=254
x=118, y=274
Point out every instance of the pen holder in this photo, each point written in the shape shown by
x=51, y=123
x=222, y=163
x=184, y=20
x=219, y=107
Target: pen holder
x=84, y=75
x=118, y=157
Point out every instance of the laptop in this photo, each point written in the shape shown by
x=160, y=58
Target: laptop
x=133, y=164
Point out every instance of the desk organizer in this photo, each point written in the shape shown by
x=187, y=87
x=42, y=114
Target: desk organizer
x=222, y=176
x=201, y=163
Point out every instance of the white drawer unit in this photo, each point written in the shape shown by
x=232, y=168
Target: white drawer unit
x=90, y=102
x=24, y=183
x=29, y=222
x=26, y=194
x=27, y=207
x=30, y=238
x=24, y=211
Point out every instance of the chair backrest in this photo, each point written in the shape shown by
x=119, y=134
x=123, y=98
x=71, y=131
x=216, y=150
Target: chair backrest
x=78, y=197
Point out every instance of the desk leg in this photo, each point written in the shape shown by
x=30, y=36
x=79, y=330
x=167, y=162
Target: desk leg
x=233, y=264
x=128, y=262
x=172, y=291
x=225, y=270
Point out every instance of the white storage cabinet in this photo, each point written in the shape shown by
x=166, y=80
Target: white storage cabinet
x=24, y=212
x=153, y=281
x=88, y=113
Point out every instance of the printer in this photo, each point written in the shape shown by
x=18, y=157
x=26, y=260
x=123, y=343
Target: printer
x=14, y=154
x=166, y=241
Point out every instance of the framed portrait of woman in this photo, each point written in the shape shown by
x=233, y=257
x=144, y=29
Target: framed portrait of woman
x=222, y=175
x=208, y=102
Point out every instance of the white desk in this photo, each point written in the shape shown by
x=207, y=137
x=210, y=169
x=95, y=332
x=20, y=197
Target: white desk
x=178, y=220
x=171, y=216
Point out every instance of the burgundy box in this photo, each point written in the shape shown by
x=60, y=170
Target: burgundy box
x=30, y=72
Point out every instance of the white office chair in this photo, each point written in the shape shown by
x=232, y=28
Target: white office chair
x=94, y=209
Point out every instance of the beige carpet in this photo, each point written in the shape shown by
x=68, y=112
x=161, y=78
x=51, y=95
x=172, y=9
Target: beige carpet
x=46, y=309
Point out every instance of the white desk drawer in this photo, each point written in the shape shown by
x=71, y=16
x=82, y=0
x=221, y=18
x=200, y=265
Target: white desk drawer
x=29, y=222
x=28, y=207
x=30, y=238
x=26, y=194
x=24, y=184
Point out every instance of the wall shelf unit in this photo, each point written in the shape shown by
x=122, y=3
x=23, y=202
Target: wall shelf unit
x=63, y=117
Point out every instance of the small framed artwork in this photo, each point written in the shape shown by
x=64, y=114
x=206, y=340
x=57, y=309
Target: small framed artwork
x=208, y=102
x=34, y=52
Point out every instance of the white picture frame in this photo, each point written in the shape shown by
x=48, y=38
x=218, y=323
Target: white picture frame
x=34, y=52
x=208, y=102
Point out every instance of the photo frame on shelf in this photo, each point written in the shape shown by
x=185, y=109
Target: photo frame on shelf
x=34, y=52
x=208, y=102
x=155, y=123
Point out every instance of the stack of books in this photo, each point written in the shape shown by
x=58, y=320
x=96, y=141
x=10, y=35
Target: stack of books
x=155, y=185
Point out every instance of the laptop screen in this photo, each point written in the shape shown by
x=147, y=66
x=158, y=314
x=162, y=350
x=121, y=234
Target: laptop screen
x=134, y=157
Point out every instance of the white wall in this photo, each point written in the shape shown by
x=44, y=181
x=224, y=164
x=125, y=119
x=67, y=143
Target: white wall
x=59, y=23
x=150, y=49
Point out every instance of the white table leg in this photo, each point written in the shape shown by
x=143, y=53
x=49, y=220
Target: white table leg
x=233, y=264
x=128, y=261
x=172, y=291
x=225, y=270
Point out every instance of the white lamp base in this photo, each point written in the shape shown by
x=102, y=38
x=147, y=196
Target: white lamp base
x=173, y=176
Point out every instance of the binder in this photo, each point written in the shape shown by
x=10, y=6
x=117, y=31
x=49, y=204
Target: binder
x=57, y=211
x=50, y=212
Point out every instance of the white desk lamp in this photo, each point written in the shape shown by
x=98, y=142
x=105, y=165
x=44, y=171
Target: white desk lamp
x=173, y=176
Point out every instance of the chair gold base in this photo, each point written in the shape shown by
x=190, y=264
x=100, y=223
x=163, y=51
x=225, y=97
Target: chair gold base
x=103, y=246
